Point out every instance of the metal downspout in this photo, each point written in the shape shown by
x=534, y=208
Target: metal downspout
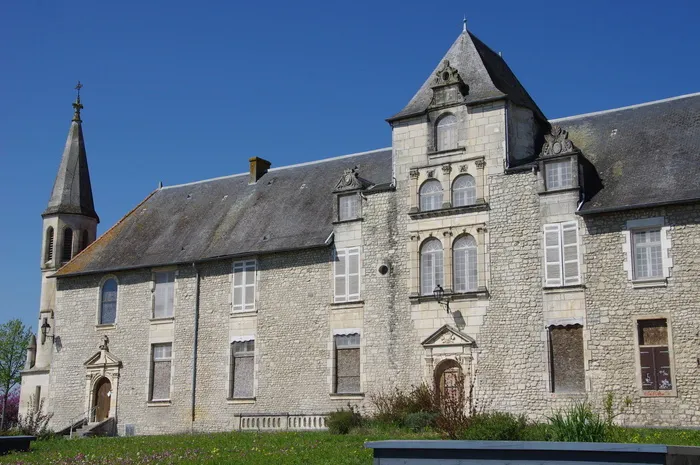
x=195, y=343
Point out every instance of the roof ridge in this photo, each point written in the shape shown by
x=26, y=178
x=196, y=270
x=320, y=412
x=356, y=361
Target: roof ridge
x=323, y=160
x=628, y=107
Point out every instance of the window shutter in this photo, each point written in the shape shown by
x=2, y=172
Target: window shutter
x=340, y=280
x=646, y=361
x=353, y=265
x=662, y=366
x=552, y=255
x=569, y=237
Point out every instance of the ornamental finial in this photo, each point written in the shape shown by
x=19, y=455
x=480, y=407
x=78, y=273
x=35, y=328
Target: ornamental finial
x=77, y=106
x=464, y=25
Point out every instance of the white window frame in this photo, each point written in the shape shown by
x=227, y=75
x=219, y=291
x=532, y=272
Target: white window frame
x=155, y=292
x=647, y=224
x=471, y=277
x=446, y=132
x=334, y=377
x=561, y=280
x=243, y=267
x=559, y=167
x=231, y=367
x=151, y=379
x=468, y=190
x=431, y=196
x=344, y=295
x=672, y=361
x=435, y=269
x=352, y=213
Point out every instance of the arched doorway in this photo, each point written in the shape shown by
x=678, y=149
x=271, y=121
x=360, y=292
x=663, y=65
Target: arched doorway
x=449, y=380
x=102, y=397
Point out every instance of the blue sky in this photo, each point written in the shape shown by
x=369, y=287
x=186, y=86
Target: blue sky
x=180, y=91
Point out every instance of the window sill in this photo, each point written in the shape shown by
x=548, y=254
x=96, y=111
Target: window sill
x=568, y=395
x=349, y=304
x=354, y=220
x=450, y=296
x=669, y=393
x=446, y=153
x=163, y=320
x=239, y=401
x=105, y=326
x=479, y=206
x=563, y=289
x=242, y=313
x=560, y=190
x=644, y=283
x=349, y=396
x=159, y=403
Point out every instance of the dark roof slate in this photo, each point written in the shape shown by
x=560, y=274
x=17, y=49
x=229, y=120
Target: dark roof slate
x=644, y=155
x=287, y=209
x=72, y=192
x=483, y=70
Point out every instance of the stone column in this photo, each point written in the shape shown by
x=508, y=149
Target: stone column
x=447, y=260
x=481, y=256
x=414, y=264
x=413, y=190
x=481, y=179
x=446, y=182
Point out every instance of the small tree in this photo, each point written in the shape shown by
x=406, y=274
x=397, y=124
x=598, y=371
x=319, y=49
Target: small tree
x=14, y=338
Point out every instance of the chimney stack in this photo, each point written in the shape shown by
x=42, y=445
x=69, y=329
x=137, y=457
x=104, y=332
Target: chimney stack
x=258, y=167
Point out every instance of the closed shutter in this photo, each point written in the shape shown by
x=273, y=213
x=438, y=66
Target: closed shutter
x=646, y=360
x=353, y=274
x=662, y=365
x=552, y=255
x=569, y=237
x=340, y=276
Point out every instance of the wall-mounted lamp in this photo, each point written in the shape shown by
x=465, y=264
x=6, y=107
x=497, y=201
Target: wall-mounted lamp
x=45, y=330
x=439, y=295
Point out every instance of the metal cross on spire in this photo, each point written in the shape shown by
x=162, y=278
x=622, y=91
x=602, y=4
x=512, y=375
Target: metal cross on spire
x=77, y=105
x=464, y=26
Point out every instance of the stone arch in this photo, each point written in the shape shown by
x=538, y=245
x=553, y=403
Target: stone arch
x=449, y=379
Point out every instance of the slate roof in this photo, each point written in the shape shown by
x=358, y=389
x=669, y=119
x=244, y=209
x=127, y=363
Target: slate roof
x=288, y=208
x=483, y=70
x=645, y=154
x=72, y=192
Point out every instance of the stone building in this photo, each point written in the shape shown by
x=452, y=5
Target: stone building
x=545, y=261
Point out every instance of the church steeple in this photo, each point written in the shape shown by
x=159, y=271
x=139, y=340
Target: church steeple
x=72, y=192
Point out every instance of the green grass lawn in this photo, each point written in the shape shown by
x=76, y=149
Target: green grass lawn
x=307, y=448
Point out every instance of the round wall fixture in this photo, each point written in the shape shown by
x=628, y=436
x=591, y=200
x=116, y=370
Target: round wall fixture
x=383, y=269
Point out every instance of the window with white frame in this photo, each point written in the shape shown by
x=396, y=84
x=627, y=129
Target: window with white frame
x=465, y=264
x=164, y=294
x=347, y=364
x=348, y=207
x=347, y=275
x=654, y=355
x=558, y=174
x=242, y=370
x=648, y=261
x=431, y=266
x=244, y=286
x=464, y=191
x=161, y=359
x=561, y=254
x=446, y=133
x=108, y=302
x=430, y=195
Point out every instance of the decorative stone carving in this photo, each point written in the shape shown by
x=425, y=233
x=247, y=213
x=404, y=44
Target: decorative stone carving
x=446, y=168
x=105, y=343
x=446, y=75
x=349, y=181
x=480, y=164
x=463, y=168
x=431, y=173
x=448, y=336
x=557, y=142
x=413, y=174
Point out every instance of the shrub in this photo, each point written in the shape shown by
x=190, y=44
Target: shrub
x=342, y=421
x=494, y=426
x=35, y=422
x=578, y=424
x=395, y=406
x=419, y=421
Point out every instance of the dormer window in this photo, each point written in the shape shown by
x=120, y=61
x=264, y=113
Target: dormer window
x=348, y=207
x=430, y=195
x=558, y=174
x=446, y=133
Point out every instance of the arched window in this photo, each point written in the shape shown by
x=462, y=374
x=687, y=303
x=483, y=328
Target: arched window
x=465, y=271
x=84, y=240
x=464, y=191
x=430, y=195
x=430, y=266
x=49, y=244
x=446, y=133
x=67, y=244
x=108, y=302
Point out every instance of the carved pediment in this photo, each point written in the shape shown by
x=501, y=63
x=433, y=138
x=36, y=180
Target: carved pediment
x=557, y=142
x=446, y=75
x=351, y=180
x=448, y=336
x=102, y=359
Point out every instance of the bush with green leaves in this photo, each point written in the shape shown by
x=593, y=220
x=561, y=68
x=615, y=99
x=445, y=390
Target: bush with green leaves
x=494, y=426
x=394, y=407
x=344, y=420
x=578, y=423
x=419, y=421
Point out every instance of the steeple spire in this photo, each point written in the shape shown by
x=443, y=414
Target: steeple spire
x=72, y=191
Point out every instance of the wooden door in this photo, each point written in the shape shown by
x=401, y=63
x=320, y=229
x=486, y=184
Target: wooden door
x=102, y=399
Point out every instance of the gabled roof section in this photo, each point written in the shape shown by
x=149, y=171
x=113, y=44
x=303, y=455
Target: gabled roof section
x=448, y=336
x=72, y=191
x=643, y=155
x=483, y=70
x=288, y=208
